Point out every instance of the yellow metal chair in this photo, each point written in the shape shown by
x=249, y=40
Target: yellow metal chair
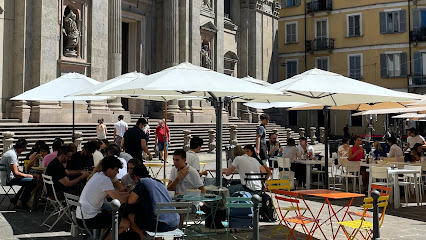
x=362, y=225
x=282, y=184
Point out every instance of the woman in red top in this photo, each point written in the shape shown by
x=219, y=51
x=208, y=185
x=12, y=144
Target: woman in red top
x=356, y=152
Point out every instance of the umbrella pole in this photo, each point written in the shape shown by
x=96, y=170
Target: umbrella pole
x=327, y=128
x=218, y=105
x=165, y=129
x=73, y=121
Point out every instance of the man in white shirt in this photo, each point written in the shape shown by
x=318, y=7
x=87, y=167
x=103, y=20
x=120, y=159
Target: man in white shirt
x=183, y=177
x=413, y=138
x=191, y=155
x=93, y=196
x=114, y=150
x=395, y=150
x=120, y=128
x=305, y=149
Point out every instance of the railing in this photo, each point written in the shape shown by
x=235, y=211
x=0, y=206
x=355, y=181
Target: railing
x=319, y=5
x=319, y=44
x=417, y=81
x=418, y=34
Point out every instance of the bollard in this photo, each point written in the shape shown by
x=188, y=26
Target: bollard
x=212, y=141
x=186, y=139
x=256, y=199
x=115, y=205
x=301, y=132
x=78, y=140
x=376, y=227
x=7, y=140
x=233, y=140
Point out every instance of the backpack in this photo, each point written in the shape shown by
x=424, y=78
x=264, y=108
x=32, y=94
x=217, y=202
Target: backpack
x=266, y=211
x=241, y=217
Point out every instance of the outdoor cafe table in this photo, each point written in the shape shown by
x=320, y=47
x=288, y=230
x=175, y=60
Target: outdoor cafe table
x=154, y=165
x=213, y=199
x=308, y=164
x=211, y=171
x=395, y=173
x=327, y=195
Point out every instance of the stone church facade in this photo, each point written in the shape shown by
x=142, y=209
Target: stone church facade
x=42, y=39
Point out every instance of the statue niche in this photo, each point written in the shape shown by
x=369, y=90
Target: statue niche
x=71, y=33
x=206, y=60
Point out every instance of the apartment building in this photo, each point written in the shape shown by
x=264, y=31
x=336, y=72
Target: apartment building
x=382, y=42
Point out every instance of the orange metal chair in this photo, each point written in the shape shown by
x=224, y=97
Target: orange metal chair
x=291, y=198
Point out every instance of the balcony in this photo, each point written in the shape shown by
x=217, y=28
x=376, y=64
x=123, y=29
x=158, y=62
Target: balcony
x=320, y=44
x=417, y=81
x=319, y=5
x=418, y=34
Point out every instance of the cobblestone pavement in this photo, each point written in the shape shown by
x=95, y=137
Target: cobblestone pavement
x=408, y=222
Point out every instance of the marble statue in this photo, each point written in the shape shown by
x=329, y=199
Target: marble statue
x=206, y=61
x=72, y=35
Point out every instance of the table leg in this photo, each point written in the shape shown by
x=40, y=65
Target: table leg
x=417, y=190
x=370, y=181
x=396, y=197
x=308, y=176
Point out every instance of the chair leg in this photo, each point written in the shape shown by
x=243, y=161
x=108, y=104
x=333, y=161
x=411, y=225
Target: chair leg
x=354, y=183
x=346, y=189
x=406, y=189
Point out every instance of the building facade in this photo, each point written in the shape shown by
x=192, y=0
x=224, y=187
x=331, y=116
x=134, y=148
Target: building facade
x=380, y=42
x=43, y=39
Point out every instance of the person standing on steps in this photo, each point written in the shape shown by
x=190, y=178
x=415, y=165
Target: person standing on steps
x=120, y=128
x=162, y=139
x=261, y=147
x=101, y=129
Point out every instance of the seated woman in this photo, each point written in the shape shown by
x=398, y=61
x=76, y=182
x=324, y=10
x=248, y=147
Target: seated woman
x=37, y=157
x=130, y=180
x=146, y=194
x=416, y=152
x=378, y=152
x=249, y=149
x=291, y=151
x=245, y=164
x=395, y=150
x=343, y=149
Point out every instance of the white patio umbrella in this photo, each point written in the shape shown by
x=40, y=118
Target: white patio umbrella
x=391, y=110
x=257, y=81
x=59, y=89
x=260, y=105
x=411, y=115
x=186, y=80
x=331, y=89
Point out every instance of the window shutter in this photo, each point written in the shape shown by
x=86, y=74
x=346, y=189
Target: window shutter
x=383, y=66
x=417, y=18
x=382, y=22
x=351, y=65
x=297, y=3
x=284, y=3
x=418, y=64
x=403, y=57
x=402, y=21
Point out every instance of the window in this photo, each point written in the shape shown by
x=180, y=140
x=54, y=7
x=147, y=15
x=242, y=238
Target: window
x=291, y=68
x=419, y=24
x=227, y=9
x=322, y=63
x=291, y=32
x=392, y=21
x=292, y=118
x=290, y=3
x=354, y=25
x=321, y=34
x=393, y=65
x=356, y=121
x=355, y=66
x=420, y=63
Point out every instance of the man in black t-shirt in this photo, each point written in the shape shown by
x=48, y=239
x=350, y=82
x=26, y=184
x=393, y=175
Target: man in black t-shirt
x=82, y=161
x=134, y=140
x=56, y=170
x=261, y=148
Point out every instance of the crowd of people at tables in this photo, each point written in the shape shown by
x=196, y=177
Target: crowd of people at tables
x=116, y=171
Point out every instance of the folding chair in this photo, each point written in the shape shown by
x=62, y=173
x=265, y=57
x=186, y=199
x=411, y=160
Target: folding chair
x=235, y=202
x=171, y=208
x=272, y=186
x=291, y=197
x=384, y=191
x=362, y=224
x=4, y=185
x=59, y=209
x=73, y=201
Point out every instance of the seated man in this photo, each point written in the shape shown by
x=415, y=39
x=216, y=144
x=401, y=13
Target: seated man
x=60, y=179
x=82, y=161
x=114, y=150
x=191, y=155
x=245, y=164
x=94, y=193
x=146, y=194
x=14, y=177
x=129, y=180
x=306, y=150
x=274, y=148
x=183, y=177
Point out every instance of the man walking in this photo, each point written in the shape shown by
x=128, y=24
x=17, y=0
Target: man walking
x=261, y=147
x=120, y=128
x=134, y=140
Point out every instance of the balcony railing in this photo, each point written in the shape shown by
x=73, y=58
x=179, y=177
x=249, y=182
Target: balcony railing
x=319, y=44
x=417, y=81
x=319, y=5
x=418, y=34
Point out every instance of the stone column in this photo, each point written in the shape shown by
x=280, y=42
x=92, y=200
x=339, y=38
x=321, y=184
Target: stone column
x=233, y=140
x=114, y=49
x=78, y=139
x=313, y=135
x=7, y=140
x=212, y=140
x=186, y=139
x=171, y=46
x=288, y=132
x=302, y=132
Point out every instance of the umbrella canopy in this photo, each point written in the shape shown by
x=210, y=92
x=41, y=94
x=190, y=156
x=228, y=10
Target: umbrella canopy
x=391, y=110
x=331, y=89
x=355, y=107
x=187, y=79
x=59, y=89
x=411, y=116
x=257, y=81
x=260, y=105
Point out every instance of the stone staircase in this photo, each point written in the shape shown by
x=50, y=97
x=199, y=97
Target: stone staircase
x=47, y=132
